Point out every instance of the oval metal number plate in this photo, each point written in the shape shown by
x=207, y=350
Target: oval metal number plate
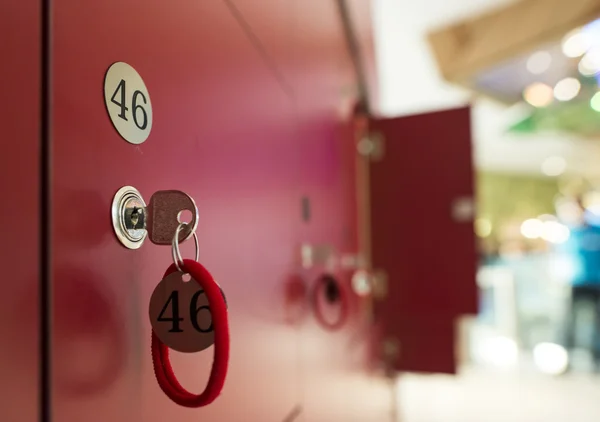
x=128, y=102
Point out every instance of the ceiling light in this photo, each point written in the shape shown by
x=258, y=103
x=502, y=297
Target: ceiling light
x=555, y=232
x=551, y=358
x=554, y=166
x=590, y=63
x=567, y=89
x=575, y=43
x=498, y=351
x=539, y=62
x=483, y=227
x=538, y=94
x=532, y=228
x=595, y=102
x=585, y=69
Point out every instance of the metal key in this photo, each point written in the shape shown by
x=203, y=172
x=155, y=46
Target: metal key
x=164, y=214
x=133, y=221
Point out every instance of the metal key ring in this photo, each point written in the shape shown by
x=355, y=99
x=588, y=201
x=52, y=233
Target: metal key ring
x=176, y=253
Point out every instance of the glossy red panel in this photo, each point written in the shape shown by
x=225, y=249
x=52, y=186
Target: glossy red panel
x=427, y=344
x=422, y=236
x=271, y=26
x=336, y=384
x=251, y=104
x=222, y=133
x=19, y=215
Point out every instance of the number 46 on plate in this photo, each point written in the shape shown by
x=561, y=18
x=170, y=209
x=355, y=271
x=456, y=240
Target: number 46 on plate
x=128, y=102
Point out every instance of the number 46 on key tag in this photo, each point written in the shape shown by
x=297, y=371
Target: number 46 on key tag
x=179, y=310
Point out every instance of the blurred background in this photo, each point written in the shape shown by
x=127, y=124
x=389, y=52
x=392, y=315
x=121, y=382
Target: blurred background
x=529, y=355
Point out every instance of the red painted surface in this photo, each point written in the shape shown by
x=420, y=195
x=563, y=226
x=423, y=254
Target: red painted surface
x=19, y=114
x=252, y=104
x=250, y=114
x=429, y=257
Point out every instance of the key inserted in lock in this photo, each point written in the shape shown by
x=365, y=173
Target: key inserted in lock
x=164, y=212
x=133, y=221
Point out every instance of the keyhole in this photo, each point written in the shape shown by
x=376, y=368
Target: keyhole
x=135, y=217
x=332, y=291
x=184, y=216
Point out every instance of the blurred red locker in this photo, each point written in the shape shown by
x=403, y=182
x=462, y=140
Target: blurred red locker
x=422, y=237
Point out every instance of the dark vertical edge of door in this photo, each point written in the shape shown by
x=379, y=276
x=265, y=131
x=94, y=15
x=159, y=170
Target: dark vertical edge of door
x=45, y=217
x=355, y=53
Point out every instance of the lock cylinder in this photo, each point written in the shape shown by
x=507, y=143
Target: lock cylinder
x=129, y=217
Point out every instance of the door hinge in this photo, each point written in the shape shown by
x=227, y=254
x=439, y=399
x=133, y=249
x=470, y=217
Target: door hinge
x=372, y=145
x=379, y=284
x=463, y=209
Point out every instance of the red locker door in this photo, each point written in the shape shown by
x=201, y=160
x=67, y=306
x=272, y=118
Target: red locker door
x=422, y=235
x=336, y=385
x=19, y=213
x=223, y=132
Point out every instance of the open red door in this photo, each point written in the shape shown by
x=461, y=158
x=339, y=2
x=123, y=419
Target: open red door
x=422, y=239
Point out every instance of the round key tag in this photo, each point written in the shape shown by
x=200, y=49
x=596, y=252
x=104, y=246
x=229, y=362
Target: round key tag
x=180, y=314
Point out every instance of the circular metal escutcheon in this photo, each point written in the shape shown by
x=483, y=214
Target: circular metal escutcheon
x=129, y=217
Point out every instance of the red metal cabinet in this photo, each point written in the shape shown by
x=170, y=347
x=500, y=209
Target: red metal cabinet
x=336, y=384
x=251, y=105
x=223, y=132
x=422, y=234
x=19, y=173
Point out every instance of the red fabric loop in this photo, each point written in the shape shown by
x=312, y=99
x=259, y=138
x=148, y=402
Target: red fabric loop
x=343, y=300
x=160, y=352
